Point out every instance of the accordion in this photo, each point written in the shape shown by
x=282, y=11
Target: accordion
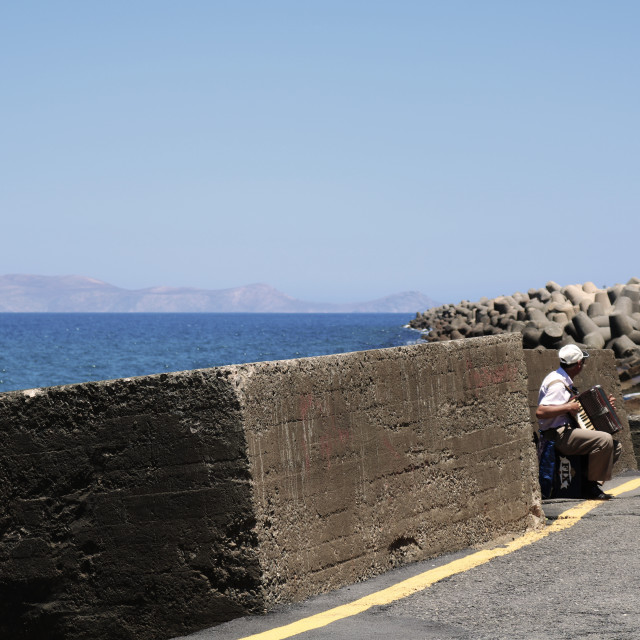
x=596, y=411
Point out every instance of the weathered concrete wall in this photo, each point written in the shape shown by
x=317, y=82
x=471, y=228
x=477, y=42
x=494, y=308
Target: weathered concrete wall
x=600, y=369
x=149, y=507
x=126, y=509
x=364, y=461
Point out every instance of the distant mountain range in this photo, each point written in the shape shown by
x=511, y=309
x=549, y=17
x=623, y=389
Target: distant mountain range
x=30, y=293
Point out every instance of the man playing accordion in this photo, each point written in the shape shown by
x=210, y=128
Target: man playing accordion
x=555, y=413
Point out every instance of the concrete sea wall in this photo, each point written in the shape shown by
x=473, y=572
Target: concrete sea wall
x=151, y=507
x=365, y=461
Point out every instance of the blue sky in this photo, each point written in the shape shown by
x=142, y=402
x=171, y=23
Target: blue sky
x=337, y=150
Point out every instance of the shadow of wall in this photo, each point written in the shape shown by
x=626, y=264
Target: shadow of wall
x=126, y=509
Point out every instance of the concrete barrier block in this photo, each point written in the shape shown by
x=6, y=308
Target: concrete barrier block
x=614, y=291
x=565, y=340
x=621, y=324
x=551, y=335
x=594, y=340
x=601, y=321
x=543, y=295
x=605, y=332
x=575, y=294
x=531, y=336
x=503, y=304
x=585, y=303
x=623, y=346
x=632, y=291
x=400, y=431
x=152, y=507
x=602, y=298
x=583, y=324
x=560, y=318
x=595, y=309
x=537, y=316
x=624, y=304
x=558, y=297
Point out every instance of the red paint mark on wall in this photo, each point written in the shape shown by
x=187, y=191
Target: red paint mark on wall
x=479, y=377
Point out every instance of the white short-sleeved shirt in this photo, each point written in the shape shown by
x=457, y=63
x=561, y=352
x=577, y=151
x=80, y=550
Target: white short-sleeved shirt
x=552, y=393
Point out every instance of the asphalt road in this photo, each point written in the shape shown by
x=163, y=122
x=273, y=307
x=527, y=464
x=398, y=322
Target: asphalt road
x=581, y=582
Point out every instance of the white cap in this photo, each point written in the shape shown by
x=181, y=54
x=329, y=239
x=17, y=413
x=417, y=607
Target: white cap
x=571, y=353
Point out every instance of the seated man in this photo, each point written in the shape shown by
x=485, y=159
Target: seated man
x=554, y=412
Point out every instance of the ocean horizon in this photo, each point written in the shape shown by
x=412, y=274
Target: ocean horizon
x=52, y=349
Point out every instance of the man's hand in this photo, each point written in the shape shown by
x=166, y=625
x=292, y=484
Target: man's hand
x=573, y=407
x=612, y=401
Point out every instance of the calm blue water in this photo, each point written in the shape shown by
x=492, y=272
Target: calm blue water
x=48, y=349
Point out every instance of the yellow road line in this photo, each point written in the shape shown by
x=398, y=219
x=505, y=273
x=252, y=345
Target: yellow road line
x=424, y=580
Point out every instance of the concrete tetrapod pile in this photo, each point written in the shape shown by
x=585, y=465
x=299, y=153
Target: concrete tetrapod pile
x=549, y=318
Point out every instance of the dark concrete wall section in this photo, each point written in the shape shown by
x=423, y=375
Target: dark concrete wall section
x=151, y=507
x=368, y=460
x=600, y=369
x=126, y=509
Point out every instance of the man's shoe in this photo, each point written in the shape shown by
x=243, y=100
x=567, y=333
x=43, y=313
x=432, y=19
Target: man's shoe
x=593, y=491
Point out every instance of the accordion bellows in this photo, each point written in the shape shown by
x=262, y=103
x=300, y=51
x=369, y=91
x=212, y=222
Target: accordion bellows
x=596, y=411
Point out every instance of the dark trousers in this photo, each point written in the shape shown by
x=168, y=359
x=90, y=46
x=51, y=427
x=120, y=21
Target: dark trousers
x=600, y=446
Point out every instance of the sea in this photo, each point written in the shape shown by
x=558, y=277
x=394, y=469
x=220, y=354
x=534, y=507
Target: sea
x=51, y=349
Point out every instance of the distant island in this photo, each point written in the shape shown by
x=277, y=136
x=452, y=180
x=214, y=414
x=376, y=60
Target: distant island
x=79, y=294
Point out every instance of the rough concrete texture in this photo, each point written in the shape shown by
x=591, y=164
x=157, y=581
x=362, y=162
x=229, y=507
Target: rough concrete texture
x=127, y=509
x=151, y=507
x=365, y=461
x=600, y=369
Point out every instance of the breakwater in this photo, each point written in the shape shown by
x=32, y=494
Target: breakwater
x=549, y=318
x=151, y=507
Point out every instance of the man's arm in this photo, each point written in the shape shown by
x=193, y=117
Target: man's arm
x=547, y=411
